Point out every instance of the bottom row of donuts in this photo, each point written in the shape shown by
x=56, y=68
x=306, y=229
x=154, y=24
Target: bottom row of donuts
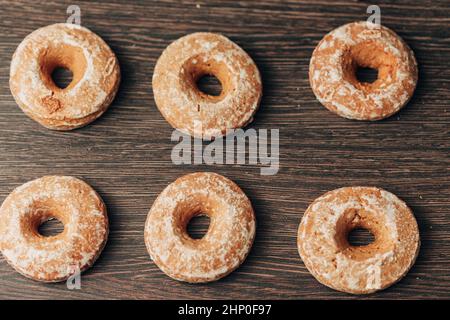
x=322, y=235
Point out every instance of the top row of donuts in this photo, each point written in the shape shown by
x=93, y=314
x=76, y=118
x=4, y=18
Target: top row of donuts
x=96, y=77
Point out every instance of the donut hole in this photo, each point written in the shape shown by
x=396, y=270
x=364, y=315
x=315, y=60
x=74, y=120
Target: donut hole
x=210, y=85
x=195, y=219
x=50, y=228
x=206, y=78
x=198, y=226
x=366, y=75
x=360, y=234
x=45, y=219
x=369, y=67
x=360, y=237
x=62, y=77
x=65, y=57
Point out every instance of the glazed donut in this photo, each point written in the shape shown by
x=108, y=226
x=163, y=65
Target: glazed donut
x=362, y=44
x=95, y=69
x=324, y=248
x=53, y=258
x=192, y=111
x=227, y=242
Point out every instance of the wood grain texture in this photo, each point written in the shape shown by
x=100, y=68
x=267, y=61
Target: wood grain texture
x=125, y=155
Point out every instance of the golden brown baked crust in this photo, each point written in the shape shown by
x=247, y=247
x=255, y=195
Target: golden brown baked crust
x=54, y=258
x=363, y=44
x=95, y=69
x=227, y=242
x=323, y=245
x=190, y=110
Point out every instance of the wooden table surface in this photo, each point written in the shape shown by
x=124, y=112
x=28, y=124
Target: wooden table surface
x=125, y=155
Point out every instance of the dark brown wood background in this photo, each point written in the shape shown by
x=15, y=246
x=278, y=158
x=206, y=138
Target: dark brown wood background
x=125, y=155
